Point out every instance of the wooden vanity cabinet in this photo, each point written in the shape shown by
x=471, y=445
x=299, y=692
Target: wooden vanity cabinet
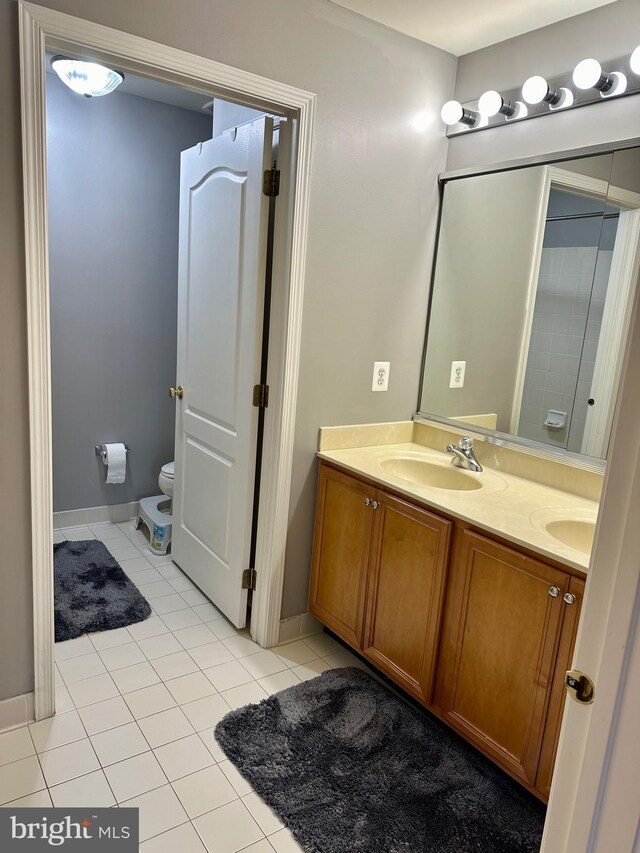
x=378, y=573
x=558, y=690
x=405, y=593
x=476, y=630
x=342, y=543
x=499, y=650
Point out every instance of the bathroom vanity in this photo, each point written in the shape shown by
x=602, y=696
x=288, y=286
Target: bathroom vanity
x=457, y=585
x=465, y=587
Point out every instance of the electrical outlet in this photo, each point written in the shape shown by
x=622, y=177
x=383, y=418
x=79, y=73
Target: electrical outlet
x=380, y=376
x=457, y=374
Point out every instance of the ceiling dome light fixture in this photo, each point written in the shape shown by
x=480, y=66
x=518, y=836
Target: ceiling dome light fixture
x=536, y=90
x=634, y=62
x=491, y=103
x=453, y=113
x=86, y=78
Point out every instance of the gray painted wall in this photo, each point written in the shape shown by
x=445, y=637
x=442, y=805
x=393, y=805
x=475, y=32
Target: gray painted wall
x=373, y=209
x=372, y=226
x=113, y=168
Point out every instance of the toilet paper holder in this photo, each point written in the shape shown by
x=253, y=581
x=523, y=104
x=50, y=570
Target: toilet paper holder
x=98, y=449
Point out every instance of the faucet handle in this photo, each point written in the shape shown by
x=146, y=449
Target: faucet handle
x=466, y=443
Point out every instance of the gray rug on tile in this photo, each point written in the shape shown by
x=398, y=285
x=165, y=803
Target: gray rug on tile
x=347, y=766
x=91, y=591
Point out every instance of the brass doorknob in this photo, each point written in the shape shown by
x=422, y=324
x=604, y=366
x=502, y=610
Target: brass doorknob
x=580, y=686
x=176, y=392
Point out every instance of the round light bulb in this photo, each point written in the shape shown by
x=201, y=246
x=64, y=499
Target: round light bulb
x=451, y=112
x=490, y=103
x=635, y=61
x=535, y=89
x=587, y=74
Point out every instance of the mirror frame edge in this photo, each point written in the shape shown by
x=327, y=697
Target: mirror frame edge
x=535, y=448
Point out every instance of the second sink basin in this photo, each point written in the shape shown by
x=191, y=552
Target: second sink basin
x=575, y=534
x=424, y=473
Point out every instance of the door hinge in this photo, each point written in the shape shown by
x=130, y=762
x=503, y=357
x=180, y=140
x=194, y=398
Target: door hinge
x=249, y=579
x=261, y=396
x=271, y=182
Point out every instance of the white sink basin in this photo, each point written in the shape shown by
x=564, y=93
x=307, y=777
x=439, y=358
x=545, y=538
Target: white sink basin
x=575, y=534
x=423, y=473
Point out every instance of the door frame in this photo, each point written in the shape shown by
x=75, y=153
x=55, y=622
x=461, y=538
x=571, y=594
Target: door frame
x=40, y=28
x=593, y=806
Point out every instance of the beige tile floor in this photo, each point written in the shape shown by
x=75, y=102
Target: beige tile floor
x=136, y=709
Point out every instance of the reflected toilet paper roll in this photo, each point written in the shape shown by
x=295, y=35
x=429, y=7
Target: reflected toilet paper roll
x=114, y=457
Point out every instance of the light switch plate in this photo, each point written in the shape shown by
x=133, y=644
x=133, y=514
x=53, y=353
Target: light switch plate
x=380, y=376
x=457, y=374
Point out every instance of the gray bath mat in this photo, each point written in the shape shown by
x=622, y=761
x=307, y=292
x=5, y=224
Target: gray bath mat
x=348, y=767
x=91, y=592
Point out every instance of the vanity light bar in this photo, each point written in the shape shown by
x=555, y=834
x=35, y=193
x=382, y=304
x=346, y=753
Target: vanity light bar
x=588, y=83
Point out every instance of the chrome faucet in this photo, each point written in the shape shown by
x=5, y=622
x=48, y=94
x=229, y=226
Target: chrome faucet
x=463, y=455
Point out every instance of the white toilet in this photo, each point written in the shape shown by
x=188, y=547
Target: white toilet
x=155, y=512
x=165, y=479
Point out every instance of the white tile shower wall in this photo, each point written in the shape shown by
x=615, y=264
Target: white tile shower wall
x=563, y=324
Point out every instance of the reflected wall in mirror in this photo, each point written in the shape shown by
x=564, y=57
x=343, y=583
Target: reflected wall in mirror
x=535, y=275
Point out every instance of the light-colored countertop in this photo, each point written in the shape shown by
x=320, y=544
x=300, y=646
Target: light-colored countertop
x=511, y=507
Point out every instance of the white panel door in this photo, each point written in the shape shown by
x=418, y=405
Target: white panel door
x=222, y=258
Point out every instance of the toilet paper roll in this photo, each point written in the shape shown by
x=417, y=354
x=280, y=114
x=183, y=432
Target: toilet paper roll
x=114, y=457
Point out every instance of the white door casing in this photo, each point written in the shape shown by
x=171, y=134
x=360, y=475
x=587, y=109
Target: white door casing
x=625, y=265
x=48, y=29
x=221, y=281
x=594, y=806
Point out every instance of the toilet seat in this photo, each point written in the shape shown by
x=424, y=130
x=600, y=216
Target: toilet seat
x=168, y=469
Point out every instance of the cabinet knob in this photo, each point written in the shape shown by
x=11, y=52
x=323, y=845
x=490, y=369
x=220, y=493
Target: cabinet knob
x=569, y=598
x=375, y=504
x=367, y=501
x=554, y=591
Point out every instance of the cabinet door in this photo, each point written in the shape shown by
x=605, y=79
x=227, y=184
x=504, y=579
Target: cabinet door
x=503, y=627
x=341, y=553
x=409, y=559
x=558, y=690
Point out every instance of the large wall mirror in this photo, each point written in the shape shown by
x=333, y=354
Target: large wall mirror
x=535, y=276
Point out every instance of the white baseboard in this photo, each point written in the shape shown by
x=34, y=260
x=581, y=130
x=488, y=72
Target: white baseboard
x=95, y=515
x=16, y=711
x=296, y=627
